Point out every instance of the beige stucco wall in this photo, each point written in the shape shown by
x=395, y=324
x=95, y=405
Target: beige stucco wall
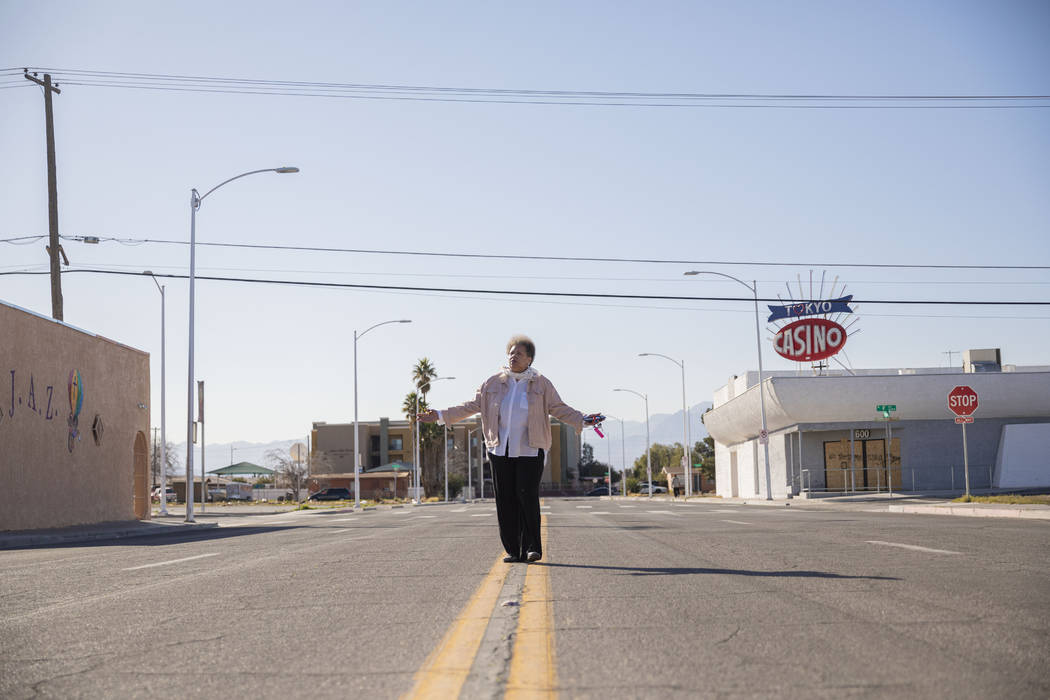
x=46, y=484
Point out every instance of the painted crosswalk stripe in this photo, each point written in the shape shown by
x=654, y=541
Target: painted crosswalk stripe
x=913, y=547
x=736, y=522
x=172, y=561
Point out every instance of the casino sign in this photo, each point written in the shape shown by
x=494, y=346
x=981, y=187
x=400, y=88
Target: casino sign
x=811, y=330
x=809, y=339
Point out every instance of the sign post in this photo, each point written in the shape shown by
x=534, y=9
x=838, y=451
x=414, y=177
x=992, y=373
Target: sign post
x=886, y=409
x=962, y=401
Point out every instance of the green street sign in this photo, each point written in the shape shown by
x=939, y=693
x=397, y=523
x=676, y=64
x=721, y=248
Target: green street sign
x=886, y=408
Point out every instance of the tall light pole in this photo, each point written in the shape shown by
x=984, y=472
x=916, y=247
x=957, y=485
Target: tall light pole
x=357, y=454
x=196, y=200
x=687, y=447
x=417, y=474
x=764, y=436
x=163, y=406
x=470, y=487
x=623, y=454
x=648, y=460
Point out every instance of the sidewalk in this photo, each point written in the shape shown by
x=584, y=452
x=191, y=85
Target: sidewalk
x=924, y=504
x=97, y=531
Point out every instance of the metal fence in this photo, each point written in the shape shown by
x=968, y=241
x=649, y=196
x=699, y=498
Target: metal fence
x=878, y=480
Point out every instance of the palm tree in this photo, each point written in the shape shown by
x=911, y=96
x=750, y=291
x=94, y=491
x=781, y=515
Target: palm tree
x=422, y=373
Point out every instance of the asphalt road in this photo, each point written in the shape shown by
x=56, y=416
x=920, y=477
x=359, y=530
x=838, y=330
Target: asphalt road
x=633, y=599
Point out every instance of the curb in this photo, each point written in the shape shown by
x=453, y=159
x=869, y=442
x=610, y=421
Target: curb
x=974, y=512
x=38, y=539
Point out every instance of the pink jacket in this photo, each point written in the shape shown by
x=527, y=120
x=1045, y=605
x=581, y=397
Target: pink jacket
x=543, y=402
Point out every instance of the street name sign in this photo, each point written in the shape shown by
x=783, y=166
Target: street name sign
x=886, y=407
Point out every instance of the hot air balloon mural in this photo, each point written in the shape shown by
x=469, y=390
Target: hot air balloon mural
x=76, y=402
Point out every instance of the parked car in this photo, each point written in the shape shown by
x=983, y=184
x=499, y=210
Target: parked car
x=601, y=491
x=643, y=488
x=169, y=494
x=331, y=494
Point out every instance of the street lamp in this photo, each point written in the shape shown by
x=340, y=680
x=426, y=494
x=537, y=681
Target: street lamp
x=415, y=468
x=623, y=454
x=196, y=200
x=163, y=406
x=687, y=452
x=648, y=460
x=357, y=454
x=470, y=487
x=764, y=438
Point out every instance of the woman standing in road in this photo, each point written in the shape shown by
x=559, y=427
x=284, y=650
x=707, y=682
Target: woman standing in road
x=515, y=404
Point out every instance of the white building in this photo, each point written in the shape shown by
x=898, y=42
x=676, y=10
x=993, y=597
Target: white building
x=816, y=422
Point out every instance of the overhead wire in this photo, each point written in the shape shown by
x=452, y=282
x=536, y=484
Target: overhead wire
x=541, y=293
x=733, y=100
x=566, y=258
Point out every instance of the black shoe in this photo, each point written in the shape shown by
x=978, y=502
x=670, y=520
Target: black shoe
x=511, y=559
x=533, y=556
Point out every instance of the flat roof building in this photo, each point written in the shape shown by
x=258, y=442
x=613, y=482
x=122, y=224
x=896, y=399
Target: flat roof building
x=816, y=422
x=384, y=442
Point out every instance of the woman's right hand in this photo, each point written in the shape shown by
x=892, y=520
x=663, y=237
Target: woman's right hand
x=430, y=416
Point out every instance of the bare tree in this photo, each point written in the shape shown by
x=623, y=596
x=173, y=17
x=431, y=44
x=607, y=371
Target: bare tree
x=288, y=470
x=170, y=458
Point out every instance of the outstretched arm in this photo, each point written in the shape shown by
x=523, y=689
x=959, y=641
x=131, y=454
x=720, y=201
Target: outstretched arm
x=455, y=413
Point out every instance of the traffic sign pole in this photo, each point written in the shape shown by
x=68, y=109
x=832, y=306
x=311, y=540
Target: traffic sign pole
x=963, y=401
x=966, y=462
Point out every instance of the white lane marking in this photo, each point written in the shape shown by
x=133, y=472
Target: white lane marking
x=426, y=516
x=340, y=520
x=662, y=512
x=600, y=512
x=336, y=532
x=583, y=506
x=457, y=510
x=276, y=522
x=915, y=547
x=628, y=506
x=172, y=561
x=736, y=522
x=481, y=515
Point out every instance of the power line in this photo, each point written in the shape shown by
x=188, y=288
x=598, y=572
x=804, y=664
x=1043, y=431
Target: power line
x=526, y=293
x=559, y=278
x=227, y=85
x=565, y=258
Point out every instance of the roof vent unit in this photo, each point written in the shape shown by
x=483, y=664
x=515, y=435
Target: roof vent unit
x=988, y=360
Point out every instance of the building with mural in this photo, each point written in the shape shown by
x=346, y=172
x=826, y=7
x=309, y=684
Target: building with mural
x=859, y=430
x=74, y=420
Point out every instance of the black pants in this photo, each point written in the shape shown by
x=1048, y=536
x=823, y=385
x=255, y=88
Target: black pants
x=517, y=484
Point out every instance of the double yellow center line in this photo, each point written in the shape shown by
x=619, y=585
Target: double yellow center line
x=532, y=666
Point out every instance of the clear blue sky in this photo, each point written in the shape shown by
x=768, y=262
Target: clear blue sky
x=796, y=185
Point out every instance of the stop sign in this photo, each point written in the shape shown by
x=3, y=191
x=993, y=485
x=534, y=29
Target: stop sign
x=962, y=401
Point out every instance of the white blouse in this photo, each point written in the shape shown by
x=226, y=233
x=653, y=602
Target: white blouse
x=514, y=422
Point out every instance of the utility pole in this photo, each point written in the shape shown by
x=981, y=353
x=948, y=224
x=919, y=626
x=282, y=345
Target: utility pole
x=52, y=194
x=949, y=353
